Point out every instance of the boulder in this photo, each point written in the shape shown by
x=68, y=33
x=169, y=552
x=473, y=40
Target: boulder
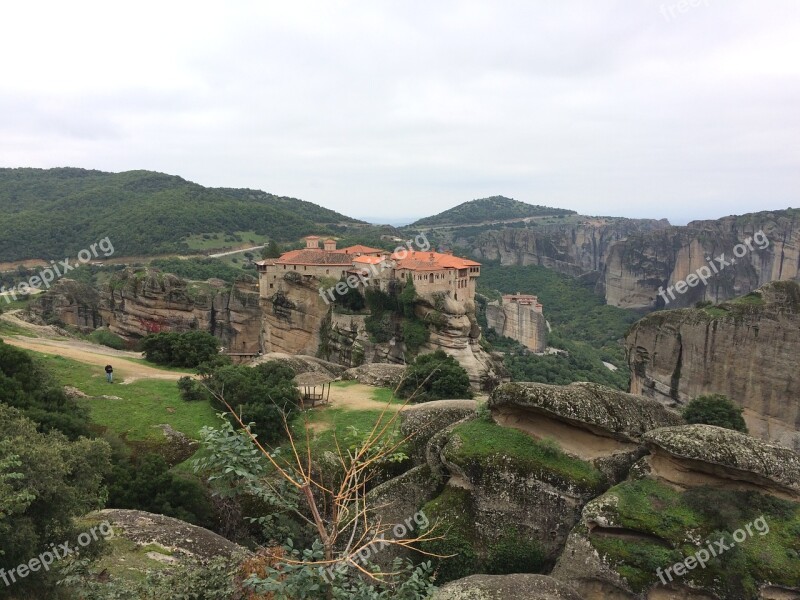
x=693, y=455
x=377, y=374
x=505, y=587
x=420, y=422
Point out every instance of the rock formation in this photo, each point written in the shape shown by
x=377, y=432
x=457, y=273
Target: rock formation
x=574, y=248
x=519, y=317
x=634, y=258
x=746, y=349
x=135, y=303
x=504, y=587
x=638, y=266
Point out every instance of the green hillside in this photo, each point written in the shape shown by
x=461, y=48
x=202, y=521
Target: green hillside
x=55, y=213
x=495, y=208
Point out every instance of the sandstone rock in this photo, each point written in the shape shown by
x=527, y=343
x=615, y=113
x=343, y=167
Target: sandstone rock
x=302, y=364
x=377, y=374
x=420, y=422
x=594, y=407
x=137, y=302
x=183, y=539
x=73, y=392
x=573, y=249
x=521, y=322
x=636, y=267
x=746, y=350
x=505, y=587
x=692, y=455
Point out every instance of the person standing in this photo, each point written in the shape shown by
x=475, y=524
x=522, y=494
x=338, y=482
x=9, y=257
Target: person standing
x=109, y=374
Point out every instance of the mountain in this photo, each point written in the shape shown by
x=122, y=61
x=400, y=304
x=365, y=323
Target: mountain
x=54, y=213
x=493, y=209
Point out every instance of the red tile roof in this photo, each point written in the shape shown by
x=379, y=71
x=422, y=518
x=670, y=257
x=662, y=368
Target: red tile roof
x=313, y=258
x=432, y=261
x=359, y=249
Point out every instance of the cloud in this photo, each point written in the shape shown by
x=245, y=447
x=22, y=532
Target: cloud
x=405, y=109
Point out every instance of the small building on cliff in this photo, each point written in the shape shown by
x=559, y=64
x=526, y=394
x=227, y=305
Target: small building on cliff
x=520, y=317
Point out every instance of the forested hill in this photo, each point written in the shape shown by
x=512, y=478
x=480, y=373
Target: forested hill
x=495, y=208
x=54, y=213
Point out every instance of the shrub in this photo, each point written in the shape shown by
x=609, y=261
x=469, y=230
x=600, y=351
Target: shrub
x=415, y=334
x=105, y=337
x=715, y=409
x=263, y=395
x=187, y=349
x=192, y=390
x=435, y=376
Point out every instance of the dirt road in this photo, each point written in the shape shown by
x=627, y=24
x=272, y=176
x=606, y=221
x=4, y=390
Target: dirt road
x=125, y=371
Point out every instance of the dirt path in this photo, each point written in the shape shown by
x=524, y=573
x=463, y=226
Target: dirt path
x=125, y=371
x=358, y=397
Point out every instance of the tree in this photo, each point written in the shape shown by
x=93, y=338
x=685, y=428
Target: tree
x=188, y=349
x=715, y=409
x=45, y=481
x=332, y=505
x=271, y=250
x=26, y=385
x=435, y=376
x=263, y=395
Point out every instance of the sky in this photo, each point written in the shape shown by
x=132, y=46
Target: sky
x=393, y=110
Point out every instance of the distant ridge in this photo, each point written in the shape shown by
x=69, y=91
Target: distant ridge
x=492, y=209
x=54, y=213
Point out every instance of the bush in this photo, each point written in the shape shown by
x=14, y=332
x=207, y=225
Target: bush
x=264, y=395
x=435, y=376
x=192, y=390
x=715, y=409
x=146, y=483
x=415, y=335
x=188, y=349
x=105, y=337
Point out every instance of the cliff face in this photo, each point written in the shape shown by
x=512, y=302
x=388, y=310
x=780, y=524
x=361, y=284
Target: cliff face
x=746, y=349
x=573, y=249
x=519, y=322
x=636, y=267
x=294, y=317
x=136, y=303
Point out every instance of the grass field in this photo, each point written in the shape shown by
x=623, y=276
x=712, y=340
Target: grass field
x=145, y=403
x=217, y=240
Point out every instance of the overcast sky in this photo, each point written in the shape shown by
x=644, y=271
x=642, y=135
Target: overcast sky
x=395, y=110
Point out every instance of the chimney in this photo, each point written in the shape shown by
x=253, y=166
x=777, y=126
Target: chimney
x=330, y=245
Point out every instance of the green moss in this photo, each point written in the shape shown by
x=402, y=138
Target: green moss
x=686, y=521
x=452, y=514
x=485, y=442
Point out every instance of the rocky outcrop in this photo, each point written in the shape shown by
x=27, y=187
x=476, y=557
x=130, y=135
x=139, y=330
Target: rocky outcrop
x=420, y=422
x=504, y=587
x=302, y=364
x=137, y=302
x=176, y=537
x=576, y=248
x=377, y=374
x=635, y=268
x=294, y=316
x=694, y=455
x=519, y=321
x=454, y=329
x=746, y=349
